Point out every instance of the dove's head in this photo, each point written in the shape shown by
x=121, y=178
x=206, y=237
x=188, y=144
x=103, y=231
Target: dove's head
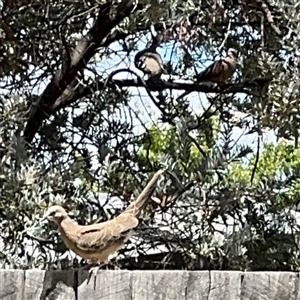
x=232, y=52
x=56, y=214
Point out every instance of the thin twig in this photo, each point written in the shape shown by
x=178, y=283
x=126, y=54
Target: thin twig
x=226, y=35
x=257, y=158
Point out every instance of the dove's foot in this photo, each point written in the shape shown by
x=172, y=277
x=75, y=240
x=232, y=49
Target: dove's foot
x=94, y=270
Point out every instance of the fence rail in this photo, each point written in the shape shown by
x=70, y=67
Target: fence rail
x=148, y=285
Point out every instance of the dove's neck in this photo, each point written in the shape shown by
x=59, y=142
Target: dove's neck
x=68, y=229
x=67, y=224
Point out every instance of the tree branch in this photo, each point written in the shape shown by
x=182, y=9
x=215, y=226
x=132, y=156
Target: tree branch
x=83, y=52
x=84, y=91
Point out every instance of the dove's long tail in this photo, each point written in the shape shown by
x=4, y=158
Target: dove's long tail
x=137, y=205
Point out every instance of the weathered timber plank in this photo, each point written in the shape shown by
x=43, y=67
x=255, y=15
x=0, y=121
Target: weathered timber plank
x=11, y=284
x=52, y=284
x=225, y=285
x=108, y=285
x=159, y=285
x=214, y=285
x=198, y=284
x=297, y=283
x=148, y=285
x=269, y=286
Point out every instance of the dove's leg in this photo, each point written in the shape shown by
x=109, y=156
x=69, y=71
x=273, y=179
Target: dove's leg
x=94, y=268
x=89, y=265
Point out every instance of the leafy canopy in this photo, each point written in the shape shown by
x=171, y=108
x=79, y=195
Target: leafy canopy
x=80, y=127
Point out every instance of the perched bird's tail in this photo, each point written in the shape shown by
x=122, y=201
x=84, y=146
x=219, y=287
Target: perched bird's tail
x=137, y=205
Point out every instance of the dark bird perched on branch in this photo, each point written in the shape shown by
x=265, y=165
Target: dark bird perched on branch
x=221, y=70
x=218, y=72
x=148, y=60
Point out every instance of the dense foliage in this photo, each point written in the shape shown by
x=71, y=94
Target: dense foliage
x=79, y=127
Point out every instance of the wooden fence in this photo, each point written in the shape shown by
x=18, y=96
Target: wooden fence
x=148, y=285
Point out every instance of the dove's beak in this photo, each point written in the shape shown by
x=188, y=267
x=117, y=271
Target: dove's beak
x=45, y=218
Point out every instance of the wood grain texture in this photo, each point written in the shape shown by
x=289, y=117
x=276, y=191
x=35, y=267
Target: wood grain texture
x=198, y=285
x=159, y=285
x=108, y=285
x=214, y=285
x=11, y=284
x=225, y=285
x=44, y=285
x=269, y=286
x=148, y=285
